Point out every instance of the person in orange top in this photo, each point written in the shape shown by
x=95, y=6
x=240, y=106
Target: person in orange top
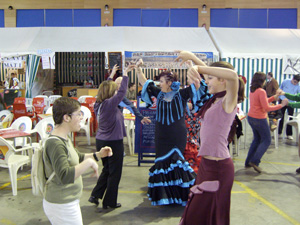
x=257, y=119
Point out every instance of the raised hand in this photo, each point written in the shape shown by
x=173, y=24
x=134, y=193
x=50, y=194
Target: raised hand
x=184, y=56
x=139, y=63
x=193, y=75
x=284, y=102
x=128, y=69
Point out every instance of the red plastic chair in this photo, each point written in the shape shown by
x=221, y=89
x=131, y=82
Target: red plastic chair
x=90, y=102
x=39, y=106
x=20, y=100
x=19, y=109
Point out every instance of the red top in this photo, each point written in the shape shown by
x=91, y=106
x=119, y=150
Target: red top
x=259, y=104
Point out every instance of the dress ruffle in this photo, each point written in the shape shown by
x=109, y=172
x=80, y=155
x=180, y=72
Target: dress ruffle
x=170, y=179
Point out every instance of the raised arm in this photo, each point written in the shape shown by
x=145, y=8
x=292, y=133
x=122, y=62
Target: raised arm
x=186, y=55
x=113, y=72
x=141, y=77
x=230, y=76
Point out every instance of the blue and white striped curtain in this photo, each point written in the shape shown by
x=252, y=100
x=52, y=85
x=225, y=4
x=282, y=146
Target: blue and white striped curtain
x=32, y=64
x=247, y=67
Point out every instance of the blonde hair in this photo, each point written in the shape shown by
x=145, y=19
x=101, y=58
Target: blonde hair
x=106, y=90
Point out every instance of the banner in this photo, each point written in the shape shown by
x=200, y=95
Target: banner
x=291, y=65
x=162, y=60
x=14, y=62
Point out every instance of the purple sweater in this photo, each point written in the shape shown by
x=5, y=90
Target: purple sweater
x=214, y=131
x=111, y=122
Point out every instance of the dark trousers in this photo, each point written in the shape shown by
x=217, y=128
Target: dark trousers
x=211, y=208
x=289, y=131
x=108, y=182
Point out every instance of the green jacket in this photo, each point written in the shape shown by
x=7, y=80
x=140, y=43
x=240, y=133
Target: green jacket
x=293, y=98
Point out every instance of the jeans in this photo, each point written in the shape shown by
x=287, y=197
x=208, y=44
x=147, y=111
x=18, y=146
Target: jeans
x=261, y=140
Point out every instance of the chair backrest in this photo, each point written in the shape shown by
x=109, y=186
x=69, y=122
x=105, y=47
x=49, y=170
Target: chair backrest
x=82, y=98
x=39, y=105
x=20, y=100
x=6, y=118
x=23, y=123
x=41, y=96
x=91, y=102
x=19, y=109
x=49, y=110
x=53, y=98
x=47, y=93
x=6, y=150
x=3, y=114
x=44, y=127
x=86, y=115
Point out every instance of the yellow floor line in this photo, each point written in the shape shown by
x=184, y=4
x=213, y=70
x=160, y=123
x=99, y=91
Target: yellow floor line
x=277, y=163
x=7, y=184
x=7, y=222
x=263, y=200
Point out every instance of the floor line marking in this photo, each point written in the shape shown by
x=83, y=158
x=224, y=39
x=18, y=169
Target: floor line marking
x=266, y=202
x=9, y=183
x=277, y=163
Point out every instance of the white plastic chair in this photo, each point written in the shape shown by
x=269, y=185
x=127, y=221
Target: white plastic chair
x=292, y=121
x=42, y=96
x=6, y=118
x=23, y=123
x=44, y=128
x=12, y=161
x=85, y=122
x=47, y=93
x=49, y=110
x=52, y=98
x=82, y=98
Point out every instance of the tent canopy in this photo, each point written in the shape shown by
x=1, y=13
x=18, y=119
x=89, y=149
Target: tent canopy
x=256, y=43
x=104, y=39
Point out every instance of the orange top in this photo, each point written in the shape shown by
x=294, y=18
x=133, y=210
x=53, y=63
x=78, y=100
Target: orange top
x=259, y=104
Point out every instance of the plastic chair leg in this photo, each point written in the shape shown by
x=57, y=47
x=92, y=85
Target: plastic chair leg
x=13, y=179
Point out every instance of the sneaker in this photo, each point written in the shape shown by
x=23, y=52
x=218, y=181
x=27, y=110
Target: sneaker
x=290, y=137
x=298, y=170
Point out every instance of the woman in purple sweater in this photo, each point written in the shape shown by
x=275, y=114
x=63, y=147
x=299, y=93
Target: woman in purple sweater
x=110, y=133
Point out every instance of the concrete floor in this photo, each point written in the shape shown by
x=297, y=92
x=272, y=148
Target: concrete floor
x=271, y=197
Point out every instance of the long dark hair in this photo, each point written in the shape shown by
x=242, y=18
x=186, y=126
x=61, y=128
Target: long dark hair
x=257, y=81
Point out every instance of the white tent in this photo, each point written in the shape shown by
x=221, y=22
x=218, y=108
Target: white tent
x=252, y=50
x=104, y=39
x=20, y=41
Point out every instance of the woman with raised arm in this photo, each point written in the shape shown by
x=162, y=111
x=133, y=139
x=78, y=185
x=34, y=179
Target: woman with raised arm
x=171, y=176
x=110, y=133
x=209, y=200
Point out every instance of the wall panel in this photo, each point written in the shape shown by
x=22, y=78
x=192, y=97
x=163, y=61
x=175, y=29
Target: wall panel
x=10, y=15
